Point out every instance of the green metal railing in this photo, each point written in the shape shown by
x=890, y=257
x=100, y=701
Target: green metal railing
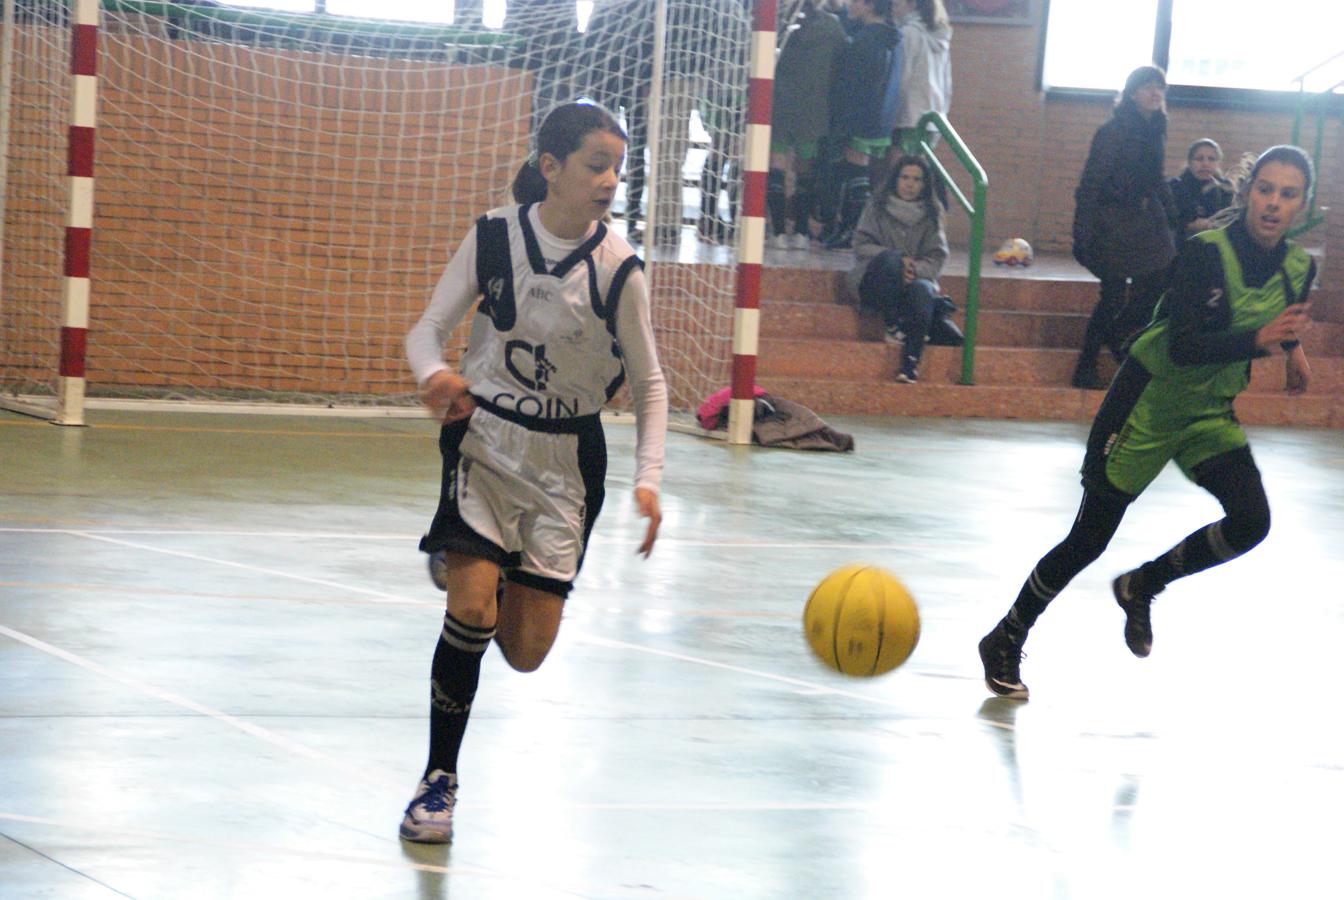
x=975, y=208
x=1315, y=216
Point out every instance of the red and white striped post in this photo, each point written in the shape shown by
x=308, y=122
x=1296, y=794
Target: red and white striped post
x=79, y=221
x=751, y=224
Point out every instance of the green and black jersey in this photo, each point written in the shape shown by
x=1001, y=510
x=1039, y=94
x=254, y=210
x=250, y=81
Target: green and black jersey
x=1172, y=399
x=1224, y=288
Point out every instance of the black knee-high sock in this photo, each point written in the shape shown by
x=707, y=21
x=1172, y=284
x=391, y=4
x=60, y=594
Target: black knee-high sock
x=1031, y=601
x=456, y=673
x=1098, y=517
x=1234, y=480
x=1199, y=550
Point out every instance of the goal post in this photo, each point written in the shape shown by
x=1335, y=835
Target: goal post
x=277, y=193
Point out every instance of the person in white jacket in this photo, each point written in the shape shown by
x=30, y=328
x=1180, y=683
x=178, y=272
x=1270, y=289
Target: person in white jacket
x=926, y=77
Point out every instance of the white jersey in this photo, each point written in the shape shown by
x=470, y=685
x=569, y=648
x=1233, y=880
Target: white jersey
x=558, y=327
x=543, y=341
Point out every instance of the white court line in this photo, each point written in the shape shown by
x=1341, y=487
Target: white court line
x=594, y=639
x=597, y=539
x=809, y=686
x=67, y=826
x=294, y=747
x=256, y=731
x=377, y=595
x=354, y=536
x=75, y=824
x=782, y=545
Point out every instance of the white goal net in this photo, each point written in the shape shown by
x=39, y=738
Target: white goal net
x=276, y=193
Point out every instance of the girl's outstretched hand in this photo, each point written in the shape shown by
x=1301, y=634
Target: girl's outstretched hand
x=647, y=501
x=445, y=394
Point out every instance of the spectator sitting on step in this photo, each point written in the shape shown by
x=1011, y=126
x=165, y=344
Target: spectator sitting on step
x=901, y=247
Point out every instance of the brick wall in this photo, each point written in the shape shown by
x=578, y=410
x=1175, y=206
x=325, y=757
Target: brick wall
x=259, y=224
x=371, y=177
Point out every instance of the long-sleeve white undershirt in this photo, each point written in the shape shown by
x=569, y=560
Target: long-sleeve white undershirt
x=457, y=292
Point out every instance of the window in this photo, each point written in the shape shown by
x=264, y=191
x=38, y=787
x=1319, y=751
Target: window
x=1087, y=50
x=1264, y=48
x=1211, y=44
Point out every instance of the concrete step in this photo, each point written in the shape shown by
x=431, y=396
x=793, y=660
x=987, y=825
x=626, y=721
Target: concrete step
x=818, y=347
x=1003, y=327
x=876, y=362
x=1027, y=294
x=1018, y=291
x=825, y=286
x=840, y=397
x=994, y=327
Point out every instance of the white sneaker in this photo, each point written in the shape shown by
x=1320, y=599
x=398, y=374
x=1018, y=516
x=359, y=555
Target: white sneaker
x=800, y=241
x=777, y=242
x=429, y=816
x=893, y=335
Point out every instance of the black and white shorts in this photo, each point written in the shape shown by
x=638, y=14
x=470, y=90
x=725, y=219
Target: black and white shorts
x=520, y=492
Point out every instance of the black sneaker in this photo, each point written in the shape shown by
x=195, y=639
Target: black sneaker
x=1137, y=602
x=1002, y=655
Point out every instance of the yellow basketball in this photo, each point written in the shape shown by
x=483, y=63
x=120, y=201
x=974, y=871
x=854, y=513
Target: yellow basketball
x=860, y=620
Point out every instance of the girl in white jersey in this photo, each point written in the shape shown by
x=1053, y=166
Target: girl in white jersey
x=562, y=321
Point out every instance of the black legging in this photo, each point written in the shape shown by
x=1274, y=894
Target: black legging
x=1231, y=477
x=909, y=307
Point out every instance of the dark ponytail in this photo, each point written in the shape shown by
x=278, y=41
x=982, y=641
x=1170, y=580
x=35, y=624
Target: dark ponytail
x=529, y=186
x=560, y=134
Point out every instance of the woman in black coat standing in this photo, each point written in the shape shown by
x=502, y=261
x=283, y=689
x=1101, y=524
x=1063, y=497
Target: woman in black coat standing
x=1122, y=226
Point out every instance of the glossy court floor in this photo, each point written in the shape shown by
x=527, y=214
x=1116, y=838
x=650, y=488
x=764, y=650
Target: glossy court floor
x=215, y=636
